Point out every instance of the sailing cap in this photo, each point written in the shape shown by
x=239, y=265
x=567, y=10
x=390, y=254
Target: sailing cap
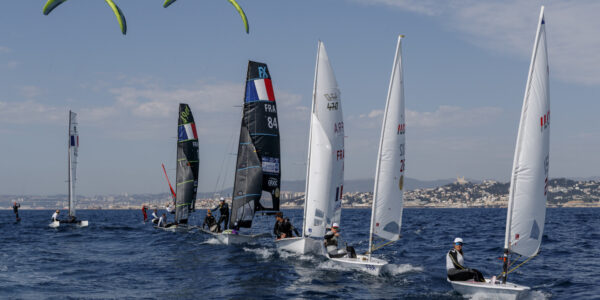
x=458, y=240
x=335, y=225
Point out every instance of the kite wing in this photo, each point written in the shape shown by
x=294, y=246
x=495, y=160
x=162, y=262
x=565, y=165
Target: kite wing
x=167, y=3
x=242, y=14
x=118, y=14
x=52, y=4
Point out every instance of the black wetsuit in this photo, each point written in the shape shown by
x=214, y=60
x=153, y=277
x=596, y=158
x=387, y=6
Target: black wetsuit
x=284, y=227
x=210, y=221
x=224, y=210
x=460, y=272
x=16, y=210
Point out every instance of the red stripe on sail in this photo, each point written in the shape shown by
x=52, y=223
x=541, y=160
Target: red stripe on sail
x=194, y=130
x=269, y=88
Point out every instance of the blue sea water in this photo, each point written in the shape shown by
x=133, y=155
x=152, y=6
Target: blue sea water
x=119, y=256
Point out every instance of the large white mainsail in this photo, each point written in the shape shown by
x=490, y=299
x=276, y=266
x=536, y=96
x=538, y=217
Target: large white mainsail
x=72, y=162
x=325, y=170
x=386, y=215
x=529, y=180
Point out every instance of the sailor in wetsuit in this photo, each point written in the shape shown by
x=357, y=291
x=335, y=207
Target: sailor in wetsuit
x=332, y=239
x=162, y=222
x=155, y=216
x=224, y=211
x=171, y=208
x=210, y=222
x=283, y=228
x=455, y=265
x=16, y=210
x=55, y=215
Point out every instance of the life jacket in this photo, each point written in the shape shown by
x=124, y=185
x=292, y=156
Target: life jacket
x=331, y=239
x=454, y=257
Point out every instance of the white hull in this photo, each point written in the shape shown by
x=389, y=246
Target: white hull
x=301, y=245
x=488, y=290
x=362, y=263
x=177, y=228
x=229, y=238
x=56, y=224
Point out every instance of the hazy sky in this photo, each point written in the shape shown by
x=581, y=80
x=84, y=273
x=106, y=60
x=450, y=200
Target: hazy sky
x=465, y=67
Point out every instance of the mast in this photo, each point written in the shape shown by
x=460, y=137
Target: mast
x=518, y=147
x=312, y=111
x=70, y=183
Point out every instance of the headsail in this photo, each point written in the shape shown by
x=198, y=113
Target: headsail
x=386, y=213
x=187, y=165
x=258, y=167
x=325, y=170
x=73, y=149
x=529, y=179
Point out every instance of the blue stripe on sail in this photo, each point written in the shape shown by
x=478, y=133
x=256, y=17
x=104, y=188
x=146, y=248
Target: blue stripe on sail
x=251, y=94
x=247, y=195
x=181, y=133
x=72, y=141
x=267, y=134
x=252, y=167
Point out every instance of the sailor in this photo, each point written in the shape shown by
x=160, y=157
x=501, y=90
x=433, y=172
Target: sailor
x=171, y=208
x=224, y=211
x=155, y=216
x=55, y=215
x=162, y=222
x=144, y=211
x=332, y=238
x=16, y=210
x=283, y=227
x=455, y=265
x=210, y=222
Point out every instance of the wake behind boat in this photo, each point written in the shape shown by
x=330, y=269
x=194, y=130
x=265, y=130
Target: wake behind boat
x=526, y=211
x=72, y=149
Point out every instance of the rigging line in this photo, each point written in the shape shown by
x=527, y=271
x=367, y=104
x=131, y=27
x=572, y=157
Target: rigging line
x=374, y=247
x=511, y=270
x=223, y=162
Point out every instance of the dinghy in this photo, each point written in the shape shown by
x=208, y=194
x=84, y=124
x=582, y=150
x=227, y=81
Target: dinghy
x=325, y=168
x=186, y=177
x=258, y=166
x=526, y=211
x=73, y=147
x=386, y=213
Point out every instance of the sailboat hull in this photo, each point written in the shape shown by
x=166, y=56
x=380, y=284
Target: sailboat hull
x=229, y=238
x=362, y=263
x=489, y=290
x=301, y=245
x=56, y=224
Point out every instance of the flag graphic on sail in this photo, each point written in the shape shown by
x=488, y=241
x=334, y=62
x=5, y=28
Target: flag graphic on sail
x=258, y=167
x=325, y=170
x=527, y=195
x=187, y=165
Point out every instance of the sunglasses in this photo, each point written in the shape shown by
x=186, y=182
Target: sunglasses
x=459, y=244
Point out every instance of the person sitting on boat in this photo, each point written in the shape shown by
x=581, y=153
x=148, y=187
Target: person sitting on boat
x=171, y=208
x=55, y=215
x=455, y=265
x=155, y=216
x=162, y=222
x=332, y=239
x=282, y=228
x=16, y=210
x=210, y=222
x=223, y=208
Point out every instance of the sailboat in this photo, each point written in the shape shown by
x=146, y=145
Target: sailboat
x=386, y=212
x=186, y=178
x=258, y=167
x=72, y=149
x=325, y=168
x=526, y=211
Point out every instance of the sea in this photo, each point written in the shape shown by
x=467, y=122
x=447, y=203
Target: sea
x=118, y=256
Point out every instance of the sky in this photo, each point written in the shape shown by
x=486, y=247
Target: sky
x=465, y=68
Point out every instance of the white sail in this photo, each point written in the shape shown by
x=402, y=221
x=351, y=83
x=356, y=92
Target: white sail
x=325, y=170
x=529, y=180
x=73, y=148
x=386, y=213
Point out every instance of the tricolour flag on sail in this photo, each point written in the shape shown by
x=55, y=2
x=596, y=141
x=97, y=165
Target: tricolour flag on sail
x=187, y=132
x=259, y=89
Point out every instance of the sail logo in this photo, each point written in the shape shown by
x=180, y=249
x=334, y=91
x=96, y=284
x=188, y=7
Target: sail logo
x=545, y=121
x=270, y=108
x=185, y=114
x=331, y=96
x=338, y=127
x=259, y=90
x=401, y=128
x=262, y=72
x=272, y=182
x=270, y=165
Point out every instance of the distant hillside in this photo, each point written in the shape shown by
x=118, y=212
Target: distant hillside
x=366, y=185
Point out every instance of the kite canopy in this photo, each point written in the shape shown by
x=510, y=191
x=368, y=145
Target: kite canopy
x=52, y=4
x=235, y=4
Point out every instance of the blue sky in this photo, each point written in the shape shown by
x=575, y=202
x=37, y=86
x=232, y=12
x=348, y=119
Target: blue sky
x=465, y=65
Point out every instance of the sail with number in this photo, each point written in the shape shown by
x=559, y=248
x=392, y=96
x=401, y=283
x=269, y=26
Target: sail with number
x=73, y=149
x=187, y=165
x=258, y=167
x=386, y=214
x=529, y=180
x=325, y=170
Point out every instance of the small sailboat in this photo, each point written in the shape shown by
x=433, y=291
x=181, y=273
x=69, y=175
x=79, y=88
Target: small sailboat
x=258, y=167
x=386, y=213
x=72, y=149
x=526, y=211
x=325, y=168
x=186, y=178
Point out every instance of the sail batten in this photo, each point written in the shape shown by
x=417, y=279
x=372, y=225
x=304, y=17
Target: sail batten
x=188, y=164
x=258, y=167
x=325, y=169
x=529, y=180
